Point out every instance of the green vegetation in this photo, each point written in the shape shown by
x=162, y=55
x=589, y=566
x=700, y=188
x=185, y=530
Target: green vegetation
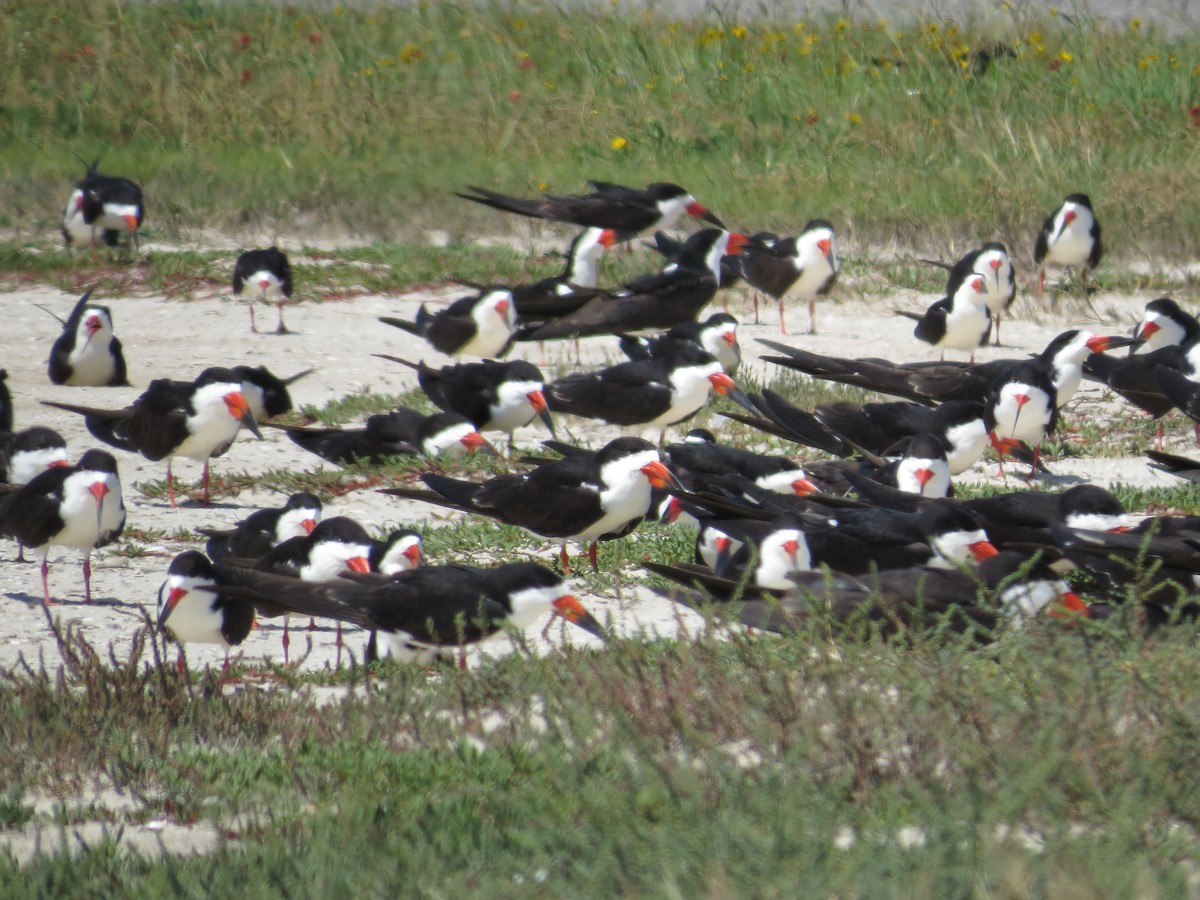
x=268, y=116
x=1054, y=764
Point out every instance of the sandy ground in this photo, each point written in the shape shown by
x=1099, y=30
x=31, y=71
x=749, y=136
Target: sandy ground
x=179, y=338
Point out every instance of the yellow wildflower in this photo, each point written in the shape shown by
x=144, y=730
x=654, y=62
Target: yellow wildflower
x=619, y=143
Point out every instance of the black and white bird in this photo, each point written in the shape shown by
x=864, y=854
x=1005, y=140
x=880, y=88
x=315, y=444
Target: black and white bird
x=572, y=287
x=717, y=334
x=992, y=263
x=263, y=276
x=399, y=552
x=585, y=497
x=433, y=609
x=27, y=453
x=659, y=300
x=193, y=609
x=495, y=396
x=87, y=353
x=1070, y=236
x=335, y=546
x=803, y=267
x=1021, y=408
x=652, y=393
x=194, y=419
x=481, y=324
x=659, y=206
x=1165, y=324
x=266, y=393
x=78, y=506
x=402, y=432
x=264, y=529
x=930, y=382
x=960, y=321
x=107, y=207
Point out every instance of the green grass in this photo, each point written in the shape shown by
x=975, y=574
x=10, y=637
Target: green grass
x=262, y=116
x=708, y=768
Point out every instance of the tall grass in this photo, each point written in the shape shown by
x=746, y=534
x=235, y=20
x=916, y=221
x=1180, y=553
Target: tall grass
x=262, y=116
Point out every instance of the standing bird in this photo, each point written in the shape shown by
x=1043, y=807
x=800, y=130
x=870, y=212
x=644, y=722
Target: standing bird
x=495, y=396
x=654, y=393
x=960, y=321
x=1070, y=236
x=193, y=609
x=1021, y=407
x=76, y=506
x=575, y=285
x=263, y=275
x=475, y=325
x=659, y=206
x=196, y=419
x=659, y=300
x=804, y=266
x=991, y=261
x=586, y=496
x=87, y=353
x=108, y=204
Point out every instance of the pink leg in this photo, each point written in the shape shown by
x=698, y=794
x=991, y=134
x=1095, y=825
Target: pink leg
x=21, y=547
x=592, y=557
x=755, y=295
x=565, y=560
x=1196, y=432
x=996, y=343
x=206, y=483
x=281, y=328
x=179, y=664
x=170, y=482
x=253, y=327
x=782, y=324
x=812, y=316
x=1160, y=435
x=287, y=641
x=339, y=645
x=46, y=581
x=1041, y=283
x=87, y=577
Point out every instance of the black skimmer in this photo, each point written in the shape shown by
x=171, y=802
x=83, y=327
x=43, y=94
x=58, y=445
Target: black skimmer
x=6, y=407
x=574, y=286
x=193, y=609
x=403, y=432
x=476, y=325
x=265, y=276
x=266, y=393
x=1025, y=517
x=194, y=419
x=87, y=353
x=730, y=272
x=1021, y=408
x=658, y=206
x=264, y=529
x=428, y=610
x=652, y=393
x=1136, y=378
x=960, y=321
x=26, y=454
x=699, y=454
x=495, y=396
x=992, y=262
x=335, y=546
x=1165, y=324
x=1070, y=236
x=585, y=497
x=400, y=552
x=717, y=334
x=106, y=204
x=76, y=506
x=929, y=382
x=1006, y=588
x=844, y=428
x=804, y=266
x=660, y=300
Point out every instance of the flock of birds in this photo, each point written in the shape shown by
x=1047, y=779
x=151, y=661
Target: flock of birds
x=875, y=533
